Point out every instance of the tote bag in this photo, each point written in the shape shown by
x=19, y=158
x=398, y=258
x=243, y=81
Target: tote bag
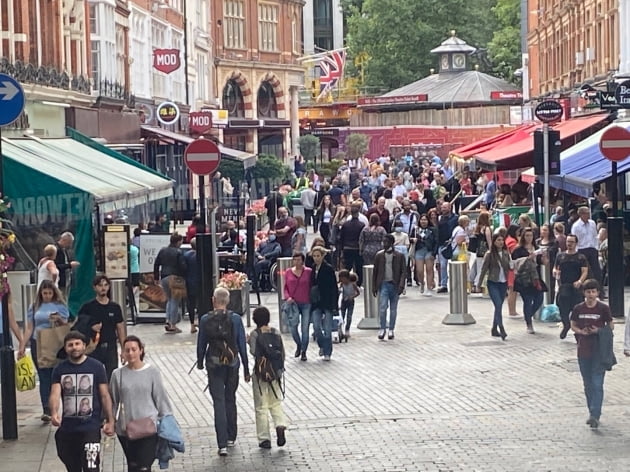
x=49, y=342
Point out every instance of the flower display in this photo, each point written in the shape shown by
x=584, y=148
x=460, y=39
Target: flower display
x=6, y=264
x=232, y=280
x=257, y=207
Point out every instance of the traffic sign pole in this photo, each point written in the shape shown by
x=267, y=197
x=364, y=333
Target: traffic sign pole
x=546, y=209
x=12, y=100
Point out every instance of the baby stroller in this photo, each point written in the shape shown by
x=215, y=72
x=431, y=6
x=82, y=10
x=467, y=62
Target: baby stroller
x=337, y=329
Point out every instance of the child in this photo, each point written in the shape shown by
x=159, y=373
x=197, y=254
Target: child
x=267, y=394
x=349, y=291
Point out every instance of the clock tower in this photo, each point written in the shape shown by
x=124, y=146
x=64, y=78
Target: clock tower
x=453, y=55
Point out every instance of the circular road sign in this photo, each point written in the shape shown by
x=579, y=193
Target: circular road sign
x=202, y=157
x=548, y=111
x=615, y=143
x=12, y=99
x=167, y=113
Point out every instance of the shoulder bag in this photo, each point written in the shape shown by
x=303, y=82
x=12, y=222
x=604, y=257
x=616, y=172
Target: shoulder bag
x=139, y=428
x=49, y=342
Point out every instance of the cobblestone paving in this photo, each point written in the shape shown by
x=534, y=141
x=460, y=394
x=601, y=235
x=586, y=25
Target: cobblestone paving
x=437, y=398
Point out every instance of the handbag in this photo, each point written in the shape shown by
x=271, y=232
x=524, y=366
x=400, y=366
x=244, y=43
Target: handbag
x=447, y=250
x=49, y=342
x=25, y=374
x=177, y=286
x=140, y=427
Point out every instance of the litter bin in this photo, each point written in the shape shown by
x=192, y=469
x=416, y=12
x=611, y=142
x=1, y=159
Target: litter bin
x=458, y=295
x=370, y=302
x=284, y=264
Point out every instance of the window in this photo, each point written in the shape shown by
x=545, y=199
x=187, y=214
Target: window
x=295, y=36
x=323, y=24
x=268, y=27
x=201, y=77
x=234, y=24
x=120, y=54
x=233, y=100
x=93, y=19
x=96, y=63
x=266, y=101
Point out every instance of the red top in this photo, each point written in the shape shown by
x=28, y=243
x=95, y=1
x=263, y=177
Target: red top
x=298, y=288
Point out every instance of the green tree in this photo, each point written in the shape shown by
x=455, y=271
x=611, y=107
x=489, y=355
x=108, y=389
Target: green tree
x=357, y=145
x=309, y=146
x=505, y=47
x=398, y=35
x=270, y=167
x=232, y=169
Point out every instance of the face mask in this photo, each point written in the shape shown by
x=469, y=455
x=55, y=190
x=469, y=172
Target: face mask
x=272, y=237
x=398, y=230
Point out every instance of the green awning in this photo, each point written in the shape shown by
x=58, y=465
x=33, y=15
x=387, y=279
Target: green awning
x=113, y=183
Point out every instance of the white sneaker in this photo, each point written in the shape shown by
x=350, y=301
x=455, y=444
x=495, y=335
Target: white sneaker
x=327, y=358
x=381, y=334
x=223, y=451
x=231, y=443
x=428, y=293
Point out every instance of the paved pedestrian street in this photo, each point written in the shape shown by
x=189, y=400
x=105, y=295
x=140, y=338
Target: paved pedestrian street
x=437, y=398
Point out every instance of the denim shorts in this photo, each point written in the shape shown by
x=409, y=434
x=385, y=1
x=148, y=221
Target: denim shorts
x=423, y=254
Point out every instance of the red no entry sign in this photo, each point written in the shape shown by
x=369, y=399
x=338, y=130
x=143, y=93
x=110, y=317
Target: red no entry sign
x=202, y=157
x=615, y=143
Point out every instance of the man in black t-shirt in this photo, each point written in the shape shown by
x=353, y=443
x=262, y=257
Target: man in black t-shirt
x=78, y=438
x=570, y=269
x=105, y=318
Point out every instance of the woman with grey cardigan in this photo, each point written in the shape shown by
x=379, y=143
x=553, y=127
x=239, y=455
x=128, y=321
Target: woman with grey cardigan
x=496, y=264
x=138, y=392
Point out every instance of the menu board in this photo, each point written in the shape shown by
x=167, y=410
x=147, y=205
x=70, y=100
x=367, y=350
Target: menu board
x=116, y=251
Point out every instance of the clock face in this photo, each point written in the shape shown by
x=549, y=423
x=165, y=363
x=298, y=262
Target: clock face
x=444, y=61
x=459, y=61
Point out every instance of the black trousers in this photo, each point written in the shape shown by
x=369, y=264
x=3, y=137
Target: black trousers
x=353, y=260
x=568, y=297
x=108, y=355
x=79, y=452
x=308, y=217
x=191, y=304
x=140, y=453
x=592, y=256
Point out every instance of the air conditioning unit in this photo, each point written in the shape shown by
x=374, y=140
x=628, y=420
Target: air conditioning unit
x=590, y=54
x=579, y=58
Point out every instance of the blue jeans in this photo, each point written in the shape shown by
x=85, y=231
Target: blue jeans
x=222, y=383
x=593, y=378
x=45, y=378
x=531, y=303
x=443, y=269
x=304, y=323
x=322, y=325
x=172, y=305
x=497, y=291
x=388, y=294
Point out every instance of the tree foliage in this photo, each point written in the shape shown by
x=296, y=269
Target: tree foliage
x=398, y=35
x=357, y=145
x=270, y=167
x=309, y=146
x=505, y=47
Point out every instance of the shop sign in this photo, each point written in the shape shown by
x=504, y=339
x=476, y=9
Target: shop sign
x=549, y=111
x=200, y=122
x=622, y=94
x=607, y=101
x=402, y=99
x=506, y=95
x=166, y=60
x=167, y=113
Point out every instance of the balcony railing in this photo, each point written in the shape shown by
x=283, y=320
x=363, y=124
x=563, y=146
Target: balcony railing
x=117, y=91
x=43, y=75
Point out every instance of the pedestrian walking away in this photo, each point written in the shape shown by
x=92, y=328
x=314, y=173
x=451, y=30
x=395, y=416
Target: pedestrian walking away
x=170, y=269
x=104, y=318
x=265, y=344
x=220, y=343
x=85, y=402
x=64, y=263
x=349, y=291
x=140, y=401
x=388, y=283
x=592, y=323
x=496, y=265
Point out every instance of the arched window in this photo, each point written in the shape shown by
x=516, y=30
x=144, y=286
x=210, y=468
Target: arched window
x=233, y=100
x=267, y=101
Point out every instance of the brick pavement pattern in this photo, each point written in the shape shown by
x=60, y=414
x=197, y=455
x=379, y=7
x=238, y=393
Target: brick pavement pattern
x=437, y=398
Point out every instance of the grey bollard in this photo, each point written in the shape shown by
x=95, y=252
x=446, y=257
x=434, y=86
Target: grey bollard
x=370, y=302
x=29, y=293
x=458, y=296
x=118, y=292
x=284, y=264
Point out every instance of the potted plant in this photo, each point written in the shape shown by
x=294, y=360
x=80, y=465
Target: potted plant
x=236, y=283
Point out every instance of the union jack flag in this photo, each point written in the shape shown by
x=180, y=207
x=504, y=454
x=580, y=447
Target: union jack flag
x=332, y=70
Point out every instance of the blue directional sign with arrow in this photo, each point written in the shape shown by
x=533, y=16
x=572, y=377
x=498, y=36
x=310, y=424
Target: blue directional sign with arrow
x=12, y=99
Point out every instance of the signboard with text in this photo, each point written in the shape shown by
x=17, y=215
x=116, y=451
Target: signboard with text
x=166, y=60
x=506, y=95
x=402, y=99
x=200, y=122
x=622, y=94
x=167, y=113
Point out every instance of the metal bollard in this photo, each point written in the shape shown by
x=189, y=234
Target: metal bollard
x=119, y=295
x=29, y=293
x=370, y=302
x=284, y=264
x=458, y=296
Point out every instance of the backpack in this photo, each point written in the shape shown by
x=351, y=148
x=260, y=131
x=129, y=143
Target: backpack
x=269, y=362
x=222, y=343
x=525, y=276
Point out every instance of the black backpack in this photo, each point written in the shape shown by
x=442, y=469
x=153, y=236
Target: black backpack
x=269, y=363
x=221, y=340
